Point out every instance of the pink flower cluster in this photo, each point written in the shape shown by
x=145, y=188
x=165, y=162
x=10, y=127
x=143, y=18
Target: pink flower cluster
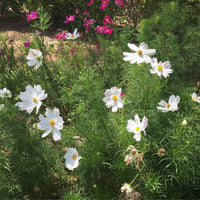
x=104, y=4
x=31, y=16
x=60, y=36
x=119, y=3
x=104, y=29
x=87, y=24
x=69, y=19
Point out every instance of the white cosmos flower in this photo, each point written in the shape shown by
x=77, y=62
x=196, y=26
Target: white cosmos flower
x=135, y=126
x=142, y=54
x=160, y=68
x=113, y=98
x=172, y=104
x=5, y=93
x=31, y=98
x=35, y=59
x=72, y=36
x=52, y=122
x=195, y=97
x=72, y=158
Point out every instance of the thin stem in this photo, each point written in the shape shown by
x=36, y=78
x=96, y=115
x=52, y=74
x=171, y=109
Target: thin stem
x=136, y=176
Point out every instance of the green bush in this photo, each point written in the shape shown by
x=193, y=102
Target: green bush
x=176, y=37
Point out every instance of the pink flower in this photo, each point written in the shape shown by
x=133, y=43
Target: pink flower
x=119, y=3
x=37, y=32
x=104, y=29
x=60, y=47
x=90, y=3
x=107, y=30
x=107, y=19
x=73, y=51
x=31, y=16
x=77, y=11
x=0, y=15
x=27, y=43
x=98, y=47
x=122, y=95
x=69, y=19
x=86, y=13
x=88, y=23
x=60, y=36
x=104, y=4
x=99, y=29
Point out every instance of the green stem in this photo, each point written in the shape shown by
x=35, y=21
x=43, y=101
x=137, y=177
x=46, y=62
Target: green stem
x=150, y=90
x=136, y=176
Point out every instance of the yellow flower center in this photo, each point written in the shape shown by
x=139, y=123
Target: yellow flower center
x=160, y=67
x=168, y=105
x=139, y=52
x=137, y=128
x=114, y=98
x=34, y=99
x=74, y=157
x=72, y=36
x=194, y=98
x=52, y=122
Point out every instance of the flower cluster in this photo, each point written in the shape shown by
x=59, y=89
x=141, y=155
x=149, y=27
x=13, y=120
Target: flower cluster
x=60, y=36
x=32, y=15
x=87, y=24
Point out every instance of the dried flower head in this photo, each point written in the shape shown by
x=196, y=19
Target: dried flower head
x=132, y=156
x=140, y=160
x=161, y=152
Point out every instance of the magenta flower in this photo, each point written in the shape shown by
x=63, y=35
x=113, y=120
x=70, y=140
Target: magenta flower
x=73, y=51
x=90, y=3
x=27, y=43
x=119, y=3
x=98, y=47
x=77, y=11
x=87, y=23
x=104, y=4
x=0, y=15
x=31, y=16
x=107, y=19
x=60, y=47
x=99, y=29
x=69, y=19
x=60, y=36
x=86, y=13
x=104, y=29
x=107, y=30
x=37, y=32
